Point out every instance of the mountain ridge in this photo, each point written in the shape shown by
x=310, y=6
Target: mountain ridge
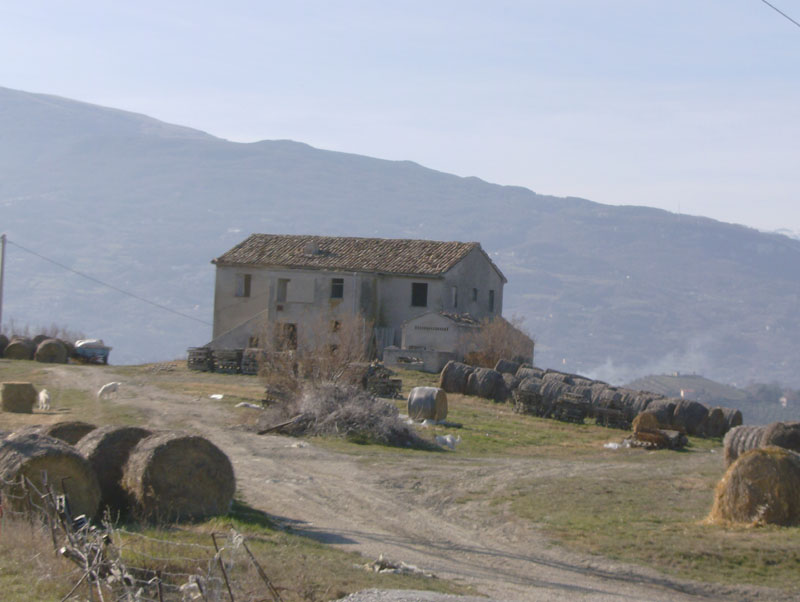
x=609, y=291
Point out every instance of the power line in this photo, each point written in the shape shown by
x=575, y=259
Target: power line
x=779, y=11
x=107, y=285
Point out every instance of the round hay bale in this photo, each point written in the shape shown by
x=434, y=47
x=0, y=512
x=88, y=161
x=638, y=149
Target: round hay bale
x=529, y=372
x=645, y=422
x=552, y=389
x=28, y=455
x=690, y=416
x=715, y=424
x=506, y=366
x=583, y=392
x=733, y=417
x=640, y=402
x=19, y=349
x=782, y=434
x=761, y=487
x=107, y=449
x=51, y=351
x=38, y=339
x=663, y=409
x=3, y=343
x=559, y=376
x=427, y=403
x=453, y=378
x=530, y=384
x=17, y=397
x=486, y=383
x=511, y=381
x=69, y=431
x=69, y=346
x=174, y=476
x=740, y=439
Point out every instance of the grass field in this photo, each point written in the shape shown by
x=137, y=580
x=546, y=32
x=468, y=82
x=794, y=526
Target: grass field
x=632, y=505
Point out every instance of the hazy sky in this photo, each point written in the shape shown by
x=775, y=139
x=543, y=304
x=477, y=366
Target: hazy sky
x=688, y=105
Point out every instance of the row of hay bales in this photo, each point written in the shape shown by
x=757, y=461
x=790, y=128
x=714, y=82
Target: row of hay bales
x=40, y=348
x=155, y=476
x=744, y=438
x=548, y=386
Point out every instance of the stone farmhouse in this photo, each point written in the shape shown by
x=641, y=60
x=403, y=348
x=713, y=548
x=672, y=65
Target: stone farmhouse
x=419, y=292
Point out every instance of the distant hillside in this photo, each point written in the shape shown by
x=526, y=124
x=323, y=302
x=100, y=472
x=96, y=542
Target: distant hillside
x=711, y=393
x=614, y=292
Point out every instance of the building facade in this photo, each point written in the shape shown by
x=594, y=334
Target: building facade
x=305, y=283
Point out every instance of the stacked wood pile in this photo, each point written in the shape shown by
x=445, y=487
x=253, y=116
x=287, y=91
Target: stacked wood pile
x=227, y=361
x=164, y=476
x=373, y=377
x=252, y=358
x=200, y=358
x=744, y=438
x=552, y=393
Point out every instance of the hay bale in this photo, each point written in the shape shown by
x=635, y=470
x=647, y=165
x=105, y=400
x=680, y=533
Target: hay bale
x=107, y=449
x=70, y=348
x=174, y=476
x=17, y=397
x=641, y=401
x=29, y=456
x=739, y=440
x=646, y=421
x=690, y=416
x=507, y=366
x=781, y=434
x=715, y=424
x=69, y=431
x=663, y=409
x=558, y=376
x=552, y=389
x=733, y=418
x=761, y=487
x=3, y=343
x=19, y=349
x=39, y=338
x=511, y=381
x=529, y=372
x=427, y=403
x=486, y=383
x=453, y=378
x=51, y=351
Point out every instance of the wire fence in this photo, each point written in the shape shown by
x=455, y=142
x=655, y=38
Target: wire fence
x=113, y=564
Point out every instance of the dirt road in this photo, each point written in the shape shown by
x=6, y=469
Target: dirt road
x=410, y=509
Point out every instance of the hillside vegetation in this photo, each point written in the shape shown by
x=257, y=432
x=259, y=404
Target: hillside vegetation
x=613, y=292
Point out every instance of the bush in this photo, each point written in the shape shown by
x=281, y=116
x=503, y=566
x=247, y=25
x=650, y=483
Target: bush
x=346, y=411
x=496, y=339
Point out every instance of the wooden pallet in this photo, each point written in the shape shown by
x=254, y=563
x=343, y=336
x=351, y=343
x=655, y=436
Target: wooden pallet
x=199, y=358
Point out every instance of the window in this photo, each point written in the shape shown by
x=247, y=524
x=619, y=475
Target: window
x=243, y=285
x=491, y=300
x=286, y=336
x=337, y=288
x=474, y=294
x=283, y=286
x=419, y=294
x=454, y=293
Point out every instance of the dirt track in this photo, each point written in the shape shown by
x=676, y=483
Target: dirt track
x=406, y=508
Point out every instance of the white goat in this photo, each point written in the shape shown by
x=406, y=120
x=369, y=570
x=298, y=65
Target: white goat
x=448, y=441
x=108, y=389
x=44, y=400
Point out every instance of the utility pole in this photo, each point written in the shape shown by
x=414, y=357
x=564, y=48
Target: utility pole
x=2, y=272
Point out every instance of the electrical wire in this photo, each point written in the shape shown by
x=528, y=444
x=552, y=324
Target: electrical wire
x=779, y=11
x=107, y=285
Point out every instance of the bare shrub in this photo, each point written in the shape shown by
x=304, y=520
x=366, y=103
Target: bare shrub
x=346, y=411
x=319, y=351
x=495, y=339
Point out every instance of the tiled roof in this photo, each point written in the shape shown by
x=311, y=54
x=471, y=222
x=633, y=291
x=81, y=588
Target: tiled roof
x=348, y=254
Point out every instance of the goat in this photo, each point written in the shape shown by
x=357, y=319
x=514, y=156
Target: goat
x=448, y=441
x=108, y=389
x=44, y=400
